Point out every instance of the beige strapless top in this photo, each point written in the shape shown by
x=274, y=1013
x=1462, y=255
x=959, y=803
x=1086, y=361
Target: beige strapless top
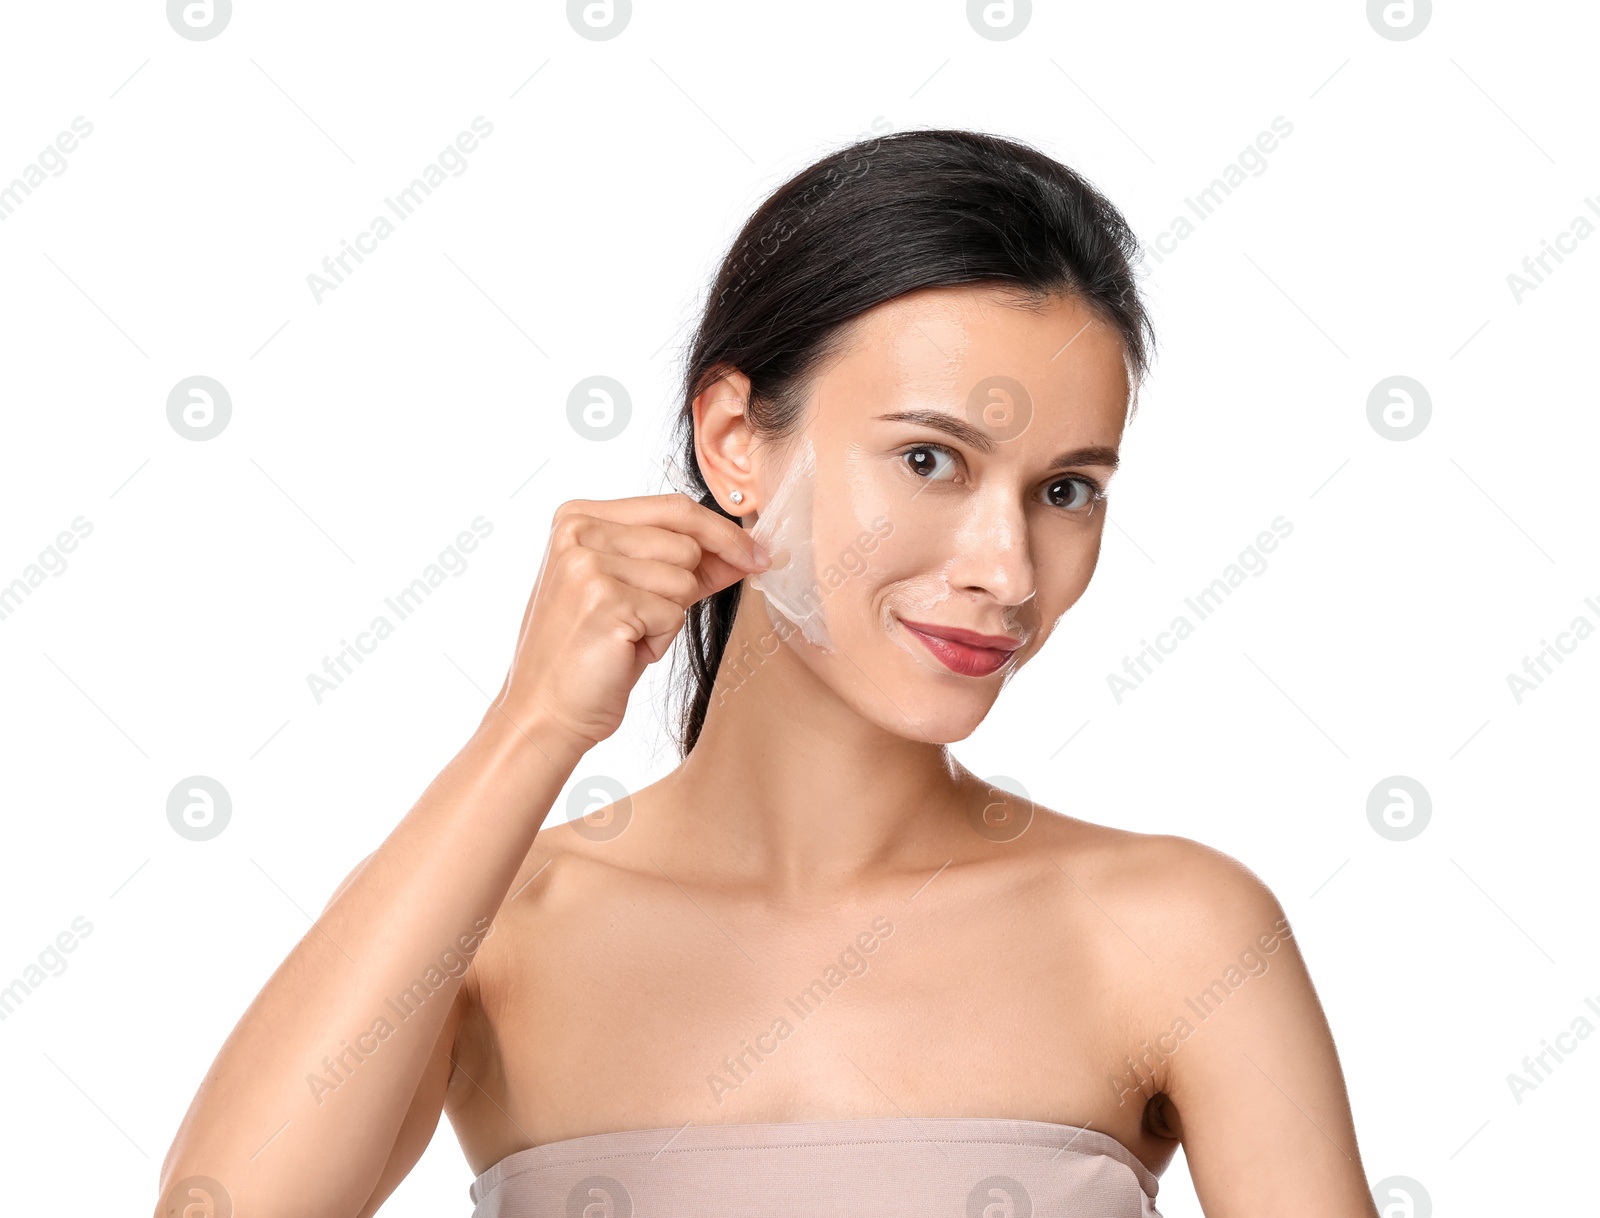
x=921, y=1167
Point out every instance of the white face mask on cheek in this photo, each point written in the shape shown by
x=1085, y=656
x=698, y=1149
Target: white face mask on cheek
x=784, y=527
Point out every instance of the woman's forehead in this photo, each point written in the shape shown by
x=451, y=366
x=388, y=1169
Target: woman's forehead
x=936, y=348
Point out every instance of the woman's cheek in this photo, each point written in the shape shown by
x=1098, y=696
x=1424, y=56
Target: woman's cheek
x=1064, y=578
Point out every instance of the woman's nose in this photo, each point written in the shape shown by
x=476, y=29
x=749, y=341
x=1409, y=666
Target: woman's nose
x=992, y=551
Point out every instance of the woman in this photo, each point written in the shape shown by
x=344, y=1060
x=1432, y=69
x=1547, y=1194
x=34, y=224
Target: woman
x=820, y=967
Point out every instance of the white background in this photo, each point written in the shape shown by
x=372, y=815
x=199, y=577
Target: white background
x=430, y=388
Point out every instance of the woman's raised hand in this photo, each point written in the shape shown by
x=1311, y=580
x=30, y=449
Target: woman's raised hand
x=617, y=580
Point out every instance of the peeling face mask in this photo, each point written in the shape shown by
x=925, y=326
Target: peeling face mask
x=884, y=525
x=785, y=527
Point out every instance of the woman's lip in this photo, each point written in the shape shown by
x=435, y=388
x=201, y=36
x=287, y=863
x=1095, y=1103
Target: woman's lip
x=960, y=657
x=990, y=642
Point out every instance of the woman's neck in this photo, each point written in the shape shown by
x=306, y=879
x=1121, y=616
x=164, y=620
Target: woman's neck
x=792, y=786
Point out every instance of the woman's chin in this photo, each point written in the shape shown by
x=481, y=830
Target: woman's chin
x=924, y=709
x=910, y=694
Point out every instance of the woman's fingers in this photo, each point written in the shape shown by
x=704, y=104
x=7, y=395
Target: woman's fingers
x=666, y=580
x=679, y=514
x=644, y=614
x=642, y=541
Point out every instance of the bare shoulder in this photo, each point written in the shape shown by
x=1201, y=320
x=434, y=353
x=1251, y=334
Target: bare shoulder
x=560, y=872
x=1180, y=866
x=1175, y=899
x=1227, y=1026
x=570, y=868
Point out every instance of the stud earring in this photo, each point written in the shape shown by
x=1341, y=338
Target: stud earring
x=737, y=497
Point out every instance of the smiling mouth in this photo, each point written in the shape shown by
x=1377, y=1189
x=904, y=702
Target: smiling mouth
x=957, y=650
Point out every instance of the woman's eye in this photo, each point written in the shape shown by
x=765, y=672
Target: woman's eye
x=1072, y=494
x=924, y=461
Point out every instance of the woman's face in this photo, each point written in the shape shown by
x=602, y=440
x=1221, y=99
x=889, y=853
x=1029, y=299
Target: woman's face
x=954, y=458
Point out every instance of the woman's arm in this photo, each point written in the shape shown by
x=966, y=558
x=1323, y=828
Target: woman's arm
x=325, y=1093
x=347, y=1046
x=1253, y=1074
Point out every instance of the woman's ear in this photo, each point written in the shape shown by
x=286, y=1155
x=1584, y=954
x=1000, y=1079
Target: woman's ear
x=724, y=442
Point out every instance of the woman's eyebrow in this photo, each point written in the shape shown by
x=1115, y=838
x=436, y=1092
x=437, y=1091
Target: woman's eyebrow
x=1095, y=454
x=960, y=429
